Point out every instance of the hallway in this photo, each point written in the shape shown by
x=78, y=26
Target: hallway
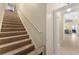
x=39, y=29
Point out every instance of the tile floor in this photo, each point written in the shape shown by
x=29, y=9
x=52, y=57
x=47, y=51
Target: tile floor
x=69, y=45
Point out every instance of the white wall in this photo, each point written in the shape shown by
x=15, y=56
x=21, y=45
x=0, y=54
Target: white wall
x=33, y=17
x=51, y=36
x=37, y=25
x=1, y=14
x=49, y=31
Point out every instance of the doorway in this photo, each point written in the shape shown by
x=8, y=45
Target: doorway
x=11, y=7
x=66, y=30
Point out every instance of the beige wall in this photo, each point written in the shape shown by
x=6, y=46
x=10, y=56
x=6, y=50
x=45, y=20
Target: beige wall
x=37, y=25
x=33, y=17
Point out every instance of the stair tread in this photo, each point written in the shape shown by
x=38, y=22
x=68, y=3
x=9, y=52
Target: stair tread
x=11, y=19
x=18, y=49
x=12, y=43
x=13, y=28
x=12, y=22
x=10, y=25
x=13, y=36
x=36, y=51
x=12, y=32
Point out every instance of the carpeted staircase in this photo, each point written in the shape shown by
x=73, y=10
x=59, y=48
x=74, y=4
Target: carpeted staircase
x=14, y=39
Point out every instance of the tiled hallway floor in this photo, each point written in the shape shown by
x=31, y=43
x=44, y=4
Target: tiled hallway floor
x=70, y=45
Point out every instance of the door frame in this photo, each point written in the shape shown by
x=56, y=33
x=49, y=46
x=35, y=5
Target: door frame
x=56, y=26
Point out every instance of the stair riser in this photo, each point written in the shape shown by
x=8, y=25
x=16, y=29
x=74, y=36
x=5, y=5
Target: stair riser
x=11, y=34
x=5, y=30
x=9, y=23
x=26, y=51
x=11, y=20
x=8, y=40
x=11, y=17
x=15, y=46
x=9, y=26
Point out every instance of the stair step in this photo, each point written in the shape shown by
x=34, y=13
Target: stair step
x=11, y=20
x=13, y=45
x=5, y=40
x=14, y=39
x=21, y=51
x=37, y=51
x=11, y=23
x=10, y=15
x=12, y=26
x=12, y=29
x=8, y=24
x=12, y=33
